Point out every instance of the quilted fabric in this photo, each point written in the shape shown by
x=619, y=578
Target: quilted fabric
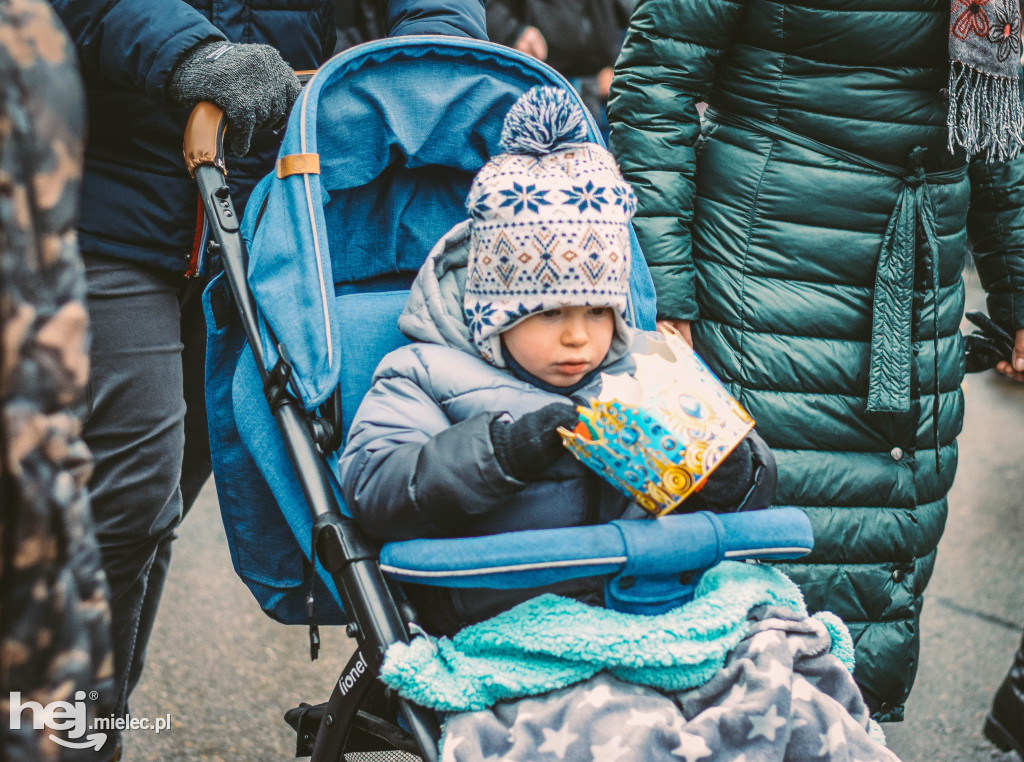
x=776, y=247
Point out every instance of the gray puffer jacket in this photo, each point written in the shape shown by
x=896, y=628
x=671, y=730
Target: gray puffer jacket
x=419, y=461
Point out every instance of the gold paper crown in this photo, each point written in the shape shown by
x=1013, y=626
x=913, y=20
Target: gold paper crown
x=658, y=434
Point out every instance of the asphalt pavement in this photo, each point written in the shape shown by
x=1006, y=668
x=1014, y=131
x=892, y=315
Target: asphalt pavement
x=225, y=673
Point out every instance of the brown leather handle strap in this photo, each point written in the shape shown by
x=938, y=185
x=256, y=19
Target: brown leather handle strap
x=204, y=138
x=204, y=133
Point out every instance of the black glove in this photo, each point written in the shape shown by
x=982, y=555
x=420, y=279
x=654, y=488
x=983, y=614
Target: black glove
x=251, y=83
x=987, y=346
x=527, y=447
x=744, y=481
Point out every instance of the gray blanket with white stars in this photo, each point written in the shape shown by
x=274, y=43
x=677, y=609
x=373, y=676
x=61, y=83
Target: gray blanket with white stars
x=782, y=696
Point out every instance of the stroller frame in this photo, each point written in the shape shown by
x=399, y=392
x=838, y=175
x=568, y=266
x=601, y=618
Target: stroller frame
x=341, y=547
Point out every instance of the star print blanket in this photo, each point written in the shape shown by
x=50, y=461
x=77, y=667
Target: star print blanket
x=740, y=673
x=781, y=697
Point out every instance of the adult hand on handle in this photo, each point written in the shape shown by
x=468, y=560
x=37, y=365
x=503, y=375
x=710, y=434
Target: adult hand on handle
x=252, y=84
x=1015, y=367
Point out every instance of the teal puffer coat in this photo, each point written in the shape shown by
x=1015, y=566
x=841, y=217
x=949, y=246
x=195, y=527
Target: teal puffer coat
x=815, y=227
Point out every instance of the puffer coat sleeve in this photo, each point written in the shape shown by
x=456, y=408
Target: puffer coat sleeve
x=995, y=225
x=408, y=471
x=134, y=44
x=660, y=79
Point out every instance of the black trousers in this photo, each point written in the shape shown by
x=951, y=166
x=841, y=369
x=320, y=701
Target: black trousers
x=146, y=427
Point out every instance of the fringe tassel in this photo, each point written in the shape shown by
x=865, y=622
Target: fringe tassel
x=985, y=114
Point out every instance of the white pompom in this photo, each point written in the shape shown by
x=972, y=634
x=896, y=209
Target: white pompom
x=542, y=119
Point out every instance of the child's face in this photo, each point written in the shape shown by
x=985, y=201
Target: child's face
x=561, y=346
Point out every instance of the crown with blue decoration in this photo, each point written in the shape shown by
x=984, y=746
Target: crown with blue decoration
x=549, y=223
x=657, y=435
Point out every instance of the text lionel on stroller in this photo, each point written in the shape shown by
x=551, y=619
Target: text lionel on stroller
x=376, y=160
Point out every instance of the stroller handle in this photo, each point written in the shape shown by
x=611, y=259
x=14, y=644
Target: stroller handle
x=204, y=142
x=204, y=133
x=204, y=138
x=667, y=547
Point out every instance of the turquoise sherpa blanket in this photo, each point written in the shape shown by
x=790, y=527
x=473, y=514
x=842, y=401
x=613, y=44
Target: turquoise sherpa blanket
x=552, y=642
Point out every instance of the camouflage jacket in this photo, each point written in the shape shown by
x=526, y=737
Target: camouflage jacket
x=54, y=619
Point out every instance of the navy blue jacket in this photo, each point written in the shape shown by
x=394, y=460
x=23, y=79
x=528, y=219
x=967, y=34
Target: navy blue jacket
x=138, y=202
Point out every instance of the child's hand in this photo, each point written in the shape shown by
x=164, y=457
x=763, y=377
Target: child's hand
x=527, y=447
x=744, y=481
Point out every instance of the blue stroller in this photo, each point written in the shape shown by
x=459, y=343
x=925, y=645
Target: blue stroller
x=374, y=167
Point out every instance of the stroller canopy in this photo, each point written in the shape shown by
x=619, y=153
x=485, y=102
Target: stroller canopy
x=374, y=168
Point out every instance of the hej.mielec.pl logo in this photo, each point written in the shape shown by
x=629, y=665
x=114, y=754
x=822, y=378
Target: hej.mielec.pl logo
x=71, y=719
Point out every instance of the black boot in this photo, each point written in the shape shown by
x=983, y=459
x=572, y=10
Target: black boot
x=1004, y=725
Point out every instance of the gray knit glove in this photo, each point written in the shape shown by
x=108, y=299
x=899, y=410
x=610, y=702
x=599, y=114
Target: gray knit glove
x=251, y=83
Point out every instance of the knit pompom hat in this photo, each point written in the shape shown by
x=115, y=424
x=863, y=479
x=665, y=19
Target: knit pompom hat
x=549, y=224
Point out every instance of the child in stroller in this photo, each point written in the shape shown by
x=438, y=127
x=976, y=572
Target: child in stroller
x=514, y=315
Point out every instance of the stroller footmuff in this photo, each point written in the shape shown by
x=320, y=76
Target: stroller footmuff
x=740, y=672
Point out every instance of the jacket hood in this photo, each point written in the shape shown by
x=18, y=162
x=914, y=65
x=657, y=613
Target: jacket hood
x=435, y=313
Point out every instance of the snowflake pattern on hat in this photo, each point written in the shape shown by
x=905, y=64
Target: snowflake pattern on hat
x=548, y=230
